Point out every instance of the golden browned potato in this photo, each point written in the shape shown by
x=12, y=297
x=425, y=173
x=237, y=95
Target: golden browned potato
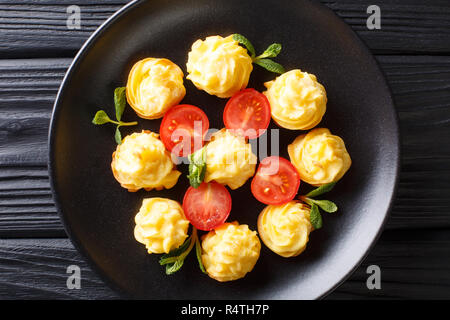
x=285, y=229
x=142, y=161
x=230, y=251
x=229, y=159
x=154, y=85
x=161, y=225
x=297, y=100
x=219, y=66
x=319, y=157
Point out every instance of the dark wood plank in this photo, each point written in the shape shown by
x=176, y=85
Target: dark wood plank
x=35, y=28
x=407, y=26
x=28, y=87
x=420, y=87
x=36, y=269
x=414, y=265
x=27, y=92
x=26, y=205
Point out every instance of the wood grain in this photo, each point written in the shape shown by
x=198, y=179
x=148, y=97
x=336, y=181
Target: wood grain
x=26, y=206
x=36, y=28
x=420, y=87
x=414, y=265
x=28, y=87
x=27, y=92
x=37, y=269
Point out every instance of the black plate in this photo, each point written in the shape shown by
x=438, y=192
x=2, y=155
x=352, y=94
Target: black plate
x=99, y=215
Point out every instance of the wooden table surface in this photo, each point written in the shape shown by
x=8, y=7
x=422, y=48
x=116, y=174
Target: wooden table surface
x=413, y=49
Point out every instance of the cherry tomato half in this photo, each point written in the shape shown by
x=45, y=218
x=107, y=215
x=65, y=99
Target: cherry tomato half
x=276, y=181
x=249, y=112
x=183, y=129
x=207, y=206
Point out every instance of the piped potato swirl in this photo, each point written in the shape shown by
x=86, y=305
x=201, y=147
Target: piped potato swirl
x=219, y=66
x=154, y=85
x=142, y=161
x=285, y=229
x=297, y=100
x=229, y=159
x=230, y=251
x=319, y=157
x=160, y=225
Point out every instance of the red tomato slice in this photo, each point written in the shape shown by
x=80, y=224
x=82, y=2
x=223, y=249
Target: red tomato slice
x=249, y=112
x=276, y=181
x=207, y=206
x=183, y=129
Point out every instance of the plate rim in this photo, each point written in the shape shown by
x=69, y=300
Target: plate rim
x=51, y=154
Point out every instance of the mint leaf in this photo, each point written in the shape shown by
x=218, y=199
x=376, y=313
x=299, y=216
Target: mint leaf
x=307, y=200
x=326, y=205
x=120, y=101
x=101, y=118
x=321, y=190
x=118, y=136
x=174, y=259
x=271, y=52
x=172, y=268
x=197, y=167
x=173, y=255
x=270, y=65
x=244, y=41
x=315, y=217
x=198, y=251
x=194, y=176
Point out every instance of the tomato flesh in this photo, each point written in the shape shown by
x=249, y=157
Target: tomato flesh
x=207, y=206
x=276, y=181
x=183, y=129
x=248, y=112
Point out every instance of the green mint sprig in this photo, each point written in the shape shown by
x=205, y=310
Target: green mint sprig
x=197, y=167
x=315, y=217
x=321, y=190
x=120, y=101
x=325, y=205
x=101, y=117
x=263, y=59
x=174, y=260
x=198, y=253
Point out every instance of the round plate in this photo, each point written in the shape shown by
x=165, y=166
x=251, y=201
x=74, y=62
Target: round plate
x=99, y=215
